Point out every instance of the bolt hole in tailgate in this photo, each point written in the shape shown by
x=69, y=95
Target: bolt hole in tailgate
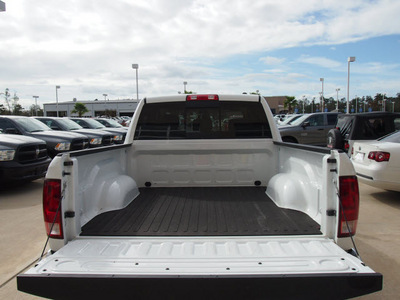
x=237, y=243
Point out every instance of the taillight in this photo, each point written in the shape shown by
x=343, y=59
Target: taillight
x=346, y=146
x=348, y=208
x=201, y=97
x=379, y=156
x=52, y=208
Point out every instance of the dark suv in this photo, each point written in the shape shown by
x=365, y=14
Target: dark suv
x=118, y=134
x=22, y=158
x=56, y=141
x=361, y=126
x=97, y=138
x=309, y=129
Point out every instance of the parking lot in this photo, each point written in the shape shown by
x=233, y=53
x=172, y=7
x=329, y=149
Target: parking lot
x=23, y=237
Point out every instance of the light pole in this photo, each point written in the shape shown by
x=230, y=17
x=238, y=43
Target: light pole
x=320, y=102
x=349, y=60
x=383, y=102
x=363, y=99
x=57, y=87
x=312, y=105
x=184, y=87
x=36, y=97
x=303, y=103
x=337, y=99
x=136, y=67
x=322, y=94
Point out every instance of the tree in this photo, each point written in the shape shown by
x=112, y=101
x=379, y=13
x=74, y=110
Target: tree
x=80, y=109
x=3, y=110
x=17, y=109
x=7, y=98
x=289, y=102
x=33, y=109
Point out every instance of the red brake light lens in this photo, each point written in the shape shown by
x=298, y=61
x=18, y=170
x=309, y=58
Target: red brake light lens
x=52, y=208
x=379, y=156
x=348, y=210
x=201, y=97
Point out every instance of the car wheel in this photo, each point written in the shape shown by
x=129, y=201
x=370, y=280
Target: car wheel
x=289, y=139
x=335, y=139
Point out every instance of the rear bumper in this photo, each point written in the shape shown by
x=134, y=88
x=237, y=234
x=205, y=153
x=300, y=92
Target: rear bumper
x=310, y=286
x=382, y=184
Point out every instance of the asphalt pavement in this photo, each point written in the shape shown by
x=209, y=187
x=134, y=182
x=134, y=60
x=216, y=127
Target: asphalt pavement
x=22, y=236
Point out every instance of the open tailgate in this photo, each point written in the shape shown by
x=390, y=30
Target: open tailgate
x=200, y=268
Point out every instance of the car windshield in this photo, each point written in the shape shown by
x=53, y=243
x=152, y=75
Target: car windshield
x=393, y=137
x=31, y=125
x=289, y=121
x=94, y=124
x=299, y=120
x=113, y=123
x=69, y=124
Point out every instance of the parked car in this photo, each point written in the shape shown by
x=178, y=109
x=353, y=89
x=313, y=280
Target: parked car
x=361, y=127
x=97, y=138
x=56, y=141
x=310, y=129
x=377, y=163
x=118, y=134
x=22, y=158
x=288, y=119
x=110, y=123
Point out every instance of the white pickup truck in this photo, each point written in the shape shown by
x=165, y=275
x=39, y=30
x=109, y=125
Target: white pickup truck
x=203, y=201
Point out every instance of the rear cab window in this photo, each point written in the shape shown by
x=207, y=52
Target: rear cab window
x=202, y=120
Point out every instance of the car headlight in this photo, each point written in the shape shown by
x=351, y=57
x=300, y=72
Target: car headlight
x=95, y=141
x=6, y=155
x=63, y=146
x=117, y=137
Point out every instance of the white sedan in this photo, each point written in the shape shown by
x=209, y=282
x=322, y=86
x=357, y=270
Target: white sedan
x=377, y=163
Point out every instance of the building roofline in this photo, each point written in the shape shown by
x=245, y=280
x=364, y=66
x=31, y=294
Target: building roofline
x=93, y=101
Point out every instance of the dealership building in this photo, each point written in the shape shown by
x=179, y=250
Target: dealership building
x=124, y=107
x=95, y=108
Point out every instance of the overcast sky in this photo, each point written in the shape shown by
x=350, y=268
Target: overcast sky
x=226, y=46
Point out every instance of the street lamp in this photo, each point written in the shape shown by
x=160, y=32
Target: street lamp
x=322, y=94
x=136, y=67
x=337, y=99
x=312, y=105
x=349, y=60
x=36, y=97
x=184, y=87
x=57, y=87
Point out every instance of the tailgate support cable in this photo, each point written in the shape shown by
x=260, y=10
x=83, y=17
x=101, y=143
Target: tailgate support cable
x=347, y=223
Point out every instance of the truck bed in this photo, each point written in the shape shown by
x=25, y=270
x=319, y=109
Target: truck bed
x=201, y=211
